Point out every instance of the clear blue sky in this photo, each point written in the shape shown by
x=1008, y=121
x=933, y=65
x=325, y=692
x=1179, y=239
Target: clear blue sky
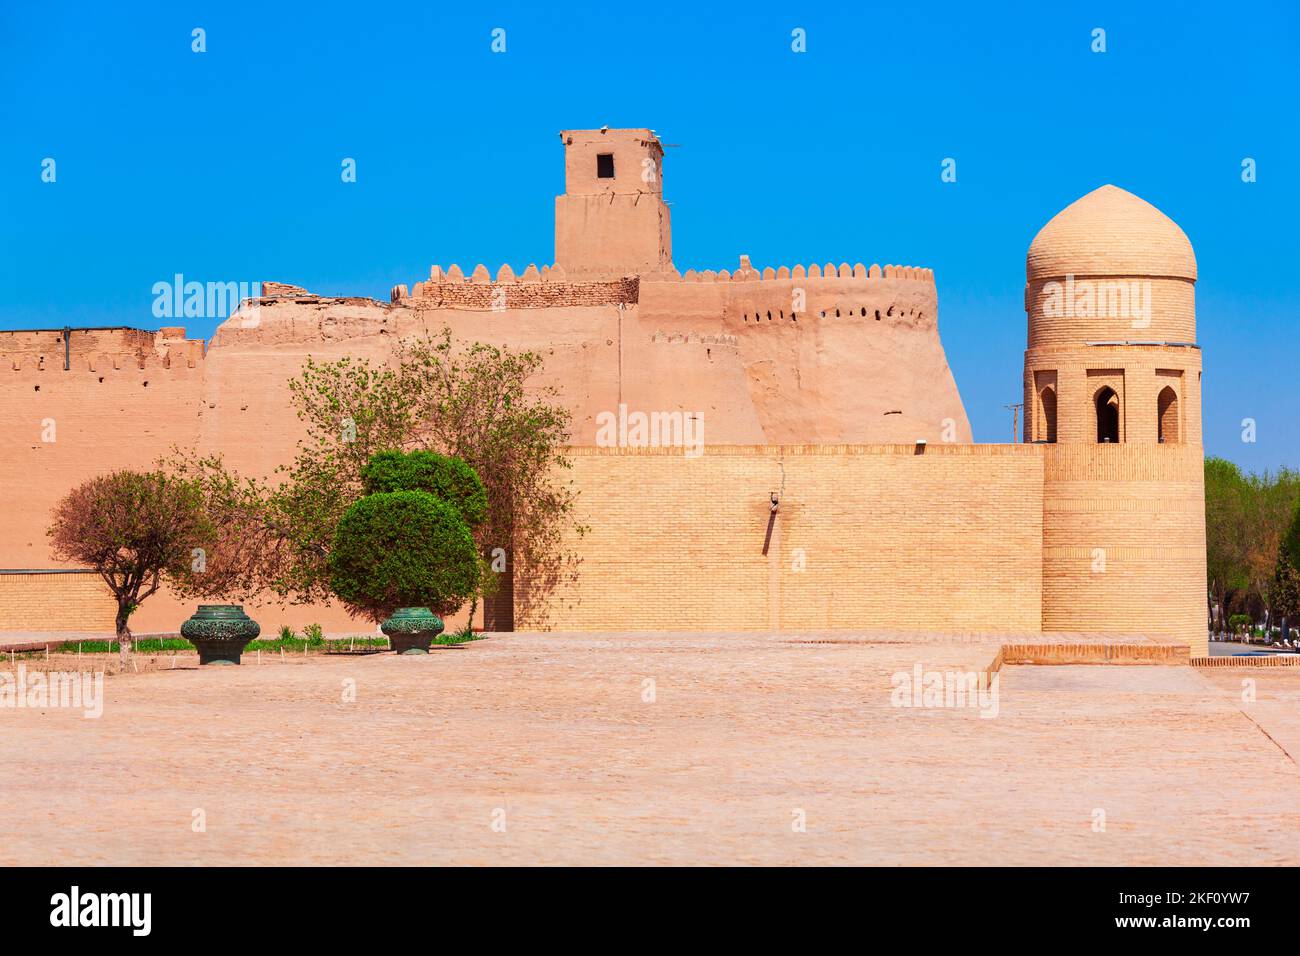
x=225, y=165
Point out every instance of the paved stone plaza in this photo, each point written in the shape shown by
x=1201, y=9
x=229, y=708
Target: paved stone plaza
x=553, y=748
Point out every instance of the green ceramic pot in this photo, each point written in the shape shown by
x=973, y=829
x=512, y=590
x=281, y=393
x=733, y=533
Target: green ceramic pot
x=411, y=630
x=220, y=632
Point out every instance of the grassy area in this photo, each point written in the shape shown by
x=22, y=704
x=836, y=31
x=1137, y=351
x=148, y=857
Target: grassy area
x=457, y=637
x=313, y=644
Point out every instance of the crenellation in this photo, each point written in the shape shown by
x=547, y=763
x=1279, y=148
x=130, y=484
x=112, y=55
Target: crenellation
x=746, y=272
x=526, y=292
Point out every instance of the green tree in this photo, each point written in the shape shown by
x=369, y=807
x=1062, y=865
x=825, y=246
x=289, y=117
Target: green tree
x=441, y=476
x=470, y=401
x=1246, y=517
x=403, y=549
x=1274, y=498
x=479, y=406
x=1227, y=496
x=135, y=529
x=351, y=409
x=1291, y=540
x=245, y=540
x=1286, y=578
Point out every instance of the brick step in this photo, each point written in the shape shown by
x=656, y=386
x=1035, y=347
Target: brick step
x=1098, y=653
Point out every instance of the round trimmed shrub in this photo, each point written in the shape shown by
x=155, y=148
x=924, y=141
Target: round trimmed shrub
x=403, y=549
x=445, y=477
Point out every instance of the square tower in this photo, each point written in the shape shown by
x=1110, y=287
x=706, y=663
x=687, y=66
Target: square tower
x=611, y=220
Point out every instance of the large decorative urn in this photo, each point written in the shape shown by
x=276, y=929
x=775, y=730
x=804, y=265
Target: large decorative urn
x=220, y=632
x=411, y=630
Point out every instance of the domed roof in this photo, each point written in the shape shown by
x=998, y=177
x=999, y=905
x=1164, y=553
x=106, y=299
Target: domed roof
x=1110, y=232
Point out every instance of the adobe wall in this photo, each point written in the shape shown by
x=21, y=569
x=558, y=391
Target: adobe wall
x=597, y=235
x=615, y=223
x=831, y=354
x=950, y=538
x=124, y=401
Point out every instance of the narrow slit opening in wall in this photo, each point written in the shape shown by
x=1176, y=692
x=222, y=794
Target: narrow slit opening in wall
x=604, y=165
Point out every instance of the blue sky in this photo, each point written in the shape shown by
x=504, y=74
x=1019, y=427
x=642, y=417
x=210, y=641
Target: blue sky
x=226, y=165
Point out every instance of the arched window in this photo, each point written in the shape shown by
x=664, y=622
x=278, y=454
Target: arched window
x=1167, y=416
x=1045, y=427
x=1107, y=403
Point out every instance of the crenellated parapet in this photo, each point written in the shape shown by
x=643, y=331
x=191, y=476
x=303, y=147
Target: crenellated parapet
x=550, y=286
x=535, y=288
x=745, y=272
x=783, y=297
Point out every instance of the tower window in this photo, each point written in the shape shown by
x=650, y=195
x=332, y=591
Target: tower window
x=1107, y=403
x=604, y=165
x=1167, y=416
x=1045, y=429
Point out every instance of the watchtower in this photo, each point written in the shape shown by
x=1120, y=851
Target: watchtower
x=1112, y=387
x=611, y=220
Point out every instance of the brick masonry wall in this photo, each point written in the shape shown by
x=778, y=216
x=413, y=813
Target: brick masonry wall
x=75, y=601
x=1136, y=373
x=1108, y=539
x=866, y=535
x=1124, y=540
x=1172, y=304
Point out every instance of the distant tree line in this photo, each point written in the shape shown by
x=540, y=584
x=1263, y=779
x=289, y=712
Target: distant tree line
x=1252, y=537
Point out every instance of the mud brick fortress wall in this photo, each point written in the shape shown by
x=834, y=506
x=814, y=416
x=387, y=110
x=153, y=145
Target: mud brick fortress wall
x=825, y=383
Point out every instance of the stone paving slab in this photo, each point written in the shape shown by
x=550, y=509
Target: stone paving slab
x=564, y=743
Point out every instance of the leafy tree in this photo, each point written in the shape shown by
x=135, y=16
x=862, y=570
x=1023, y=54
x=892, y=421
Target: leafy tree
x=1274, y=497
x=245, y=538
x=1286, y=579
x=351, y=409
x=447, y=478
x=468, y=402
x=403, y=549
x=477, y=408
x=1246, y=517
x=134, y=528
x=1291, y=542
x=1226, y=503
